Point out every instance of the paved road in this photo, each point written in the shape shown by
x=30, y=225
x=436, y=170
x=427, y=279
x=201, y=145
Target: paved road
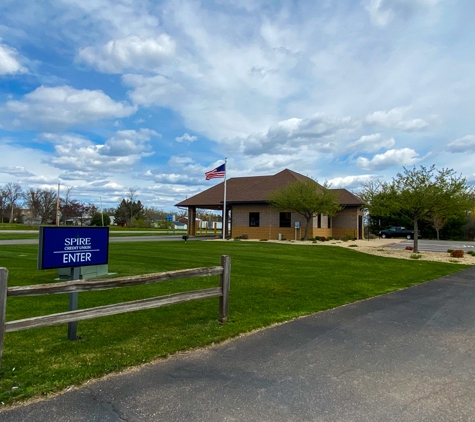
x=113, y=239
x=436, y=245
x=404, y=356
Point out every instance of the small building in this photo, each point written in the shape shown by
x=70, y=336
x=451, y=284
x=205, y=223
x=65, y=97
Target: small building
x=249, y=213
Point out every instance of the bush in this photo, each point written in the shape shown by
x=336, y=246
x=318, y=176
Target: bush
x=329, y=238
x=323, y=238
x=471, y=253
x=372, y=236
x=409, y=248
x=244, y=236
x=263, y=240
x=416, y=256
x=344, y=238
x=458, y=253
x=449, y=250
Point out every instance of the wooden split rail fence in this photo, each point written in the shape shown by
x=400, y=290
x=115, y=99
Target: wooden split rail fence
x=224, y=270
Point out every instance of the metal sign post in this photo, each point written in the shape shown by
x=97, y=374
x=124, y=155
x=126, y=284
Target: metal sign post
x=73, y=305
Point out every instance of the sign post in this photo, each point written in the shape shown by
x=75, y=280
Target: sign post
x=72, y=247
x=73, y=305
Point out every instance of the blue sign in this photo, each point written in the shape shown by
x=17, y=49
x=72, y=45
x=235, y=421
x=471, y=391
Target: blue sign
x=169, y=217
x=62, y=247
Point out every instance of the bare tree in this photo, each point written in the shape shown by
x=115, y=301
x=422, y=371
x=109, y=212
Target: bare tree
x=42, y=203
x=3, y=202
x=13, y=194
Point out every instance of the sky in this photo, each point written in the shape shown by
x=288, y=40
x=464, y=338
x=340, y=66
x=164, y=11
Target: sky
x=104, y=96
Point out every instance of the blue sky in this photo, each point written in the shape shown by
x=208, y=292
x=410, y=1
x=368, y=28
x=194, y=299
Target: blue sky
x=103, y=96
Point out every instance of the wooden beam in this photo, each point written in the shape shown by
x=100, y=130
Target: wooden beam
x=3, y=306
x=90, y=285
x=119, y=308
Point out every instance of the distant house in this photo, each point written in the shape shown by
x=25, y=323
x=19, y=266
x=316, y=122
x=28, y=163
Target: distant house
x=249, y=213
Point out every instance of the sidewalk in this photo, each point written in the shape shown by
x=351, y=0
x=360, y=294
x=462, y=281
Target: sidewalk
x=404, y=356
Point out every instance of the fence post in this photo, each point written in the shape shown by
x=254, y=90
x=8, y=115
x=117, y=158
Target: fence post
x=3, y=306
x=225, y=282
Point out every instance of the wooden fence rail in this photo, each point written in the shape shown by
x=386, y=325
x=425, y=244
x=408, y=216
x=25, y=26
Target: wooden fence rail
x=224, y=270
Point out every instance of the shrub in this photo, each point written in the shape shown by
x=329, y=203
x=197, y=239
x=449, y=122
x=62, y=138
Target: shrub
x=372, y=236
x=409, y=248
x=416, y=256
x=329, y=238
x=471, y=253
x=244, y=236
x=353, y=246
x=263, y=240
x=323, y=238
x=344, y=238
x=458, y=253
x=450, y=250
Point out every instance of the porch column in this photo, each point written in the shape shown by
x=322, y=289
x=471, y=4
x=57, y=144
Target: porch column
x=191, y=221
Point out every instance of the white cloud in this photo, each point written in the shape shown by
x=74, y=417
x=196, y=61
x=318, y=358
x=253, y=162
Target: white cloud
x=64, y=106
x=350, y=182
x=395, y=119
x=17, y=171
x=465, y=144
x=9, y=61
x=393, y=157
x=382, y=12
x=128, y=142
x=186, y=138
x=370, y=143
x=131, y=52
x=319, y=133
x=77, y=156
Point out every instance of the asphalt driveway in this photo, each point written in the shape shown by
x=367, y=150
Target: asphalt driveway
x=404, y=356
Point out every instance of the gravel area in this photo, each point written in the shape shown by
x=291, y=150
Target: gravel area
x=382, y=247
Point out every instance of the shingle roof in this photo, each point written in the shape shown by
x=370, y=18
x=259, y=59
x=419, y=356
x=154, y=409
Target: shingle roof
x=254, y=189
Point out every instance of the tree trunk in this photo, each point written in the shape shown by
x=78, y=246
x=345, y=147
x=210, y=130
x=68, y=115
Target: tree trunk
x=416, y=237
x=306, y=228
x=437, y=230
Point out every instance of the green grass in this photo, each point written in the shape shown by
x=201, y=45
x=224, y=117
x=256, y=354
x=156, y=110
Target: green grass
x=12, y=236
x=269, y=283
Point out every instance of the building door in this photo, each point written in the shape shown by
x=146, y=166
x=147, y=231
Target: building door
x=360, y=227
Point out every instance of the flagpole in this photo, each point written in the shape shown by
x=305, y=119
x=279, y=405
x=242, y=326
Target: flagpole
x=224, y=206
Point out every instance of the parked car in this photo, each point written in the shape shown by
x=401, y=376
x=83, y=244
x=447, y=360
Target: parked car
x=398, y=232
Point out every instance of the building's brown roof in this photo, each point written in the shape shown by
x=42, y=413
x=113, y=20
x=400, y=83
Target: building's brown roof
x=348, y=198
x=254, y=189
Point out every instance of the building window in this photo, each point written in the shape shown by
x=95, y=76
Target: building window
x=319, y=221
x=329, y=222
x=253, y=219
x=284, y=219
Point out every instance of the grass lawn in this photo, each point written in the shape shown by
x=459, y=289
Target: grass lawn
x=269, y=283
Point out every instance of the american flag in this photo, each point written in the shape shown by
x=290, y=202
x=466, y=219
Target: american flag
x=216, y=173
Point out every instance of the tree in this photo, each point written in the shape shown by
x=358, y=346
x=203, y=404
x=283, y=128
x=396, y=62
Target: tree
x=306, y=198
x=98, y=219
x=41, y=203
x=13, y=194
x=129, y=211
x=420, y=194
x=438, y=222
x=3, y=203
